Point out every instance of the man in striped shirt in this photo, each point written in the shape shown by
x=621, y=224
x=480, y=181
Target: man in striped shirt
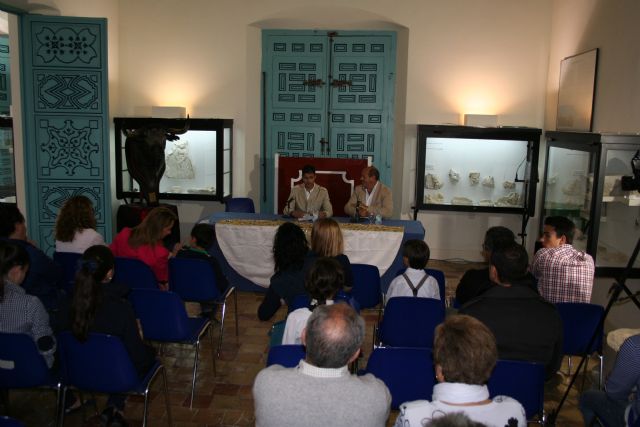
x=564, y=274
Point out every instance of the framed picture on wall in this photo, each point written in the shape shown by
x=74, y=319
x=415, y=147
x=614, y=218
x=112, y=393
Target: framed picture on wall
x=576, y=92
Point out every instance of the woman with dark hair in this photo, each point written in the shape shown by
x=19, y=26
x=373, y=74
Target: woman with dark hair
x=289, y=250
x=144, y=242
x=464, y=354
x=322, y=282
x=76, y=226
x=19, y=312
x=327, y=241
x=99, y=306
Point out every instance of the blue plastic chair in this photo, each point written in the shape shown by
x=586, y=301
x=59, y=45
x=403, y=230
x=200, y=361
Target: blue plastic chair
x=69, y=263
x=9, y=422
x=22, y=366
x=523, y=381
x=439, y=276
x=239, y=204
x=286, y=355
x=164, y=319
x=410, y=322
x=194, y=280
x=579, y=322
x=407, y=372
x=299, y=301
x=101, y=364
x=134, y=273
x=366, y=285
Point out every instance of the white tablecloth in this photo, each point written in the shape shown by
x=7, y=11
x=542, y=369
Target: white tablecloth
x=248, y=248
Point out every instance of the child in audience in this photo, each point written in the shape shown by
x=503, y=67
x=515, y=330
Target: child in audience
x=144, y=242
x=19, y=312
x=414, y=281
x=99, y=306
x=76, y=226
x=322, y=283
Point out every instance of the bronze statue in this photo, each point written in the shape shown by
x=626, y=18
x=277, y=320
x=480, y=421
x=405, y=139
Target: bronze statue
x=144, y=151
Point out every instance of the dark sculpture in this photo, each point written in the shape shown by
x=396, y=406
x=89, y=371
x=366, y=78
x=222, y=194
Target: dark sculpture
x=144, y=151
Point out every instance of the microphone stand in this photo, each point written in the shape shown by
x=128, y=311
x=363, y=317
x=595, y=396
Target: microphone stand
x=618, y=286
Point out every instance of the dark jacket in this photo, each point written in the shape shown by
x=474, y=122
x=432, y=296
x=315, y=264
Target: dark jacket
x=311, y=258
x=475, y=282
x=284, y=285
x=525, y=325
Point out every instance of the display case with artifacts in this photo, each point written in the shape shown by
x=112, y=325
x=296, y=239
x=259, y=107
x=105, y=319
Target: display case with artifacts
x=196, y=163
x=583, y=180
x=477, y=169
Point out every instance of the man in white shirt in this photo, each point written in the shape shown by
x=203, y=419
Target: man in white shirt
x=370, y=198
x=320, y=391
x=308, y=197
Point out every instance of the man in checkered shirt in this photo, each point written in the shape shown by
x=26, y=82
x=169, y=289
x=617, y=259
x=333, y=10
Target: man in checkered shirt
x=564, y=274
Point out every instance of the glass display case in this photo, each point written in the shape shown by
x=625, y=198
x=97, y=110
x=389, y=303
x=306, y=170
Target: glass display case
x=582, y=179
x=198, y=163
x=7, y=162
x=477, y=169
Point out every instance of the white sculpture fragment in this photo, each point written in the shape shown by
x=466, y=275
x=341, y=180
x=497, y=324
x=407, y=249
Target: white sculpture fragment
x=178, y=162
x=574, y=188
x=454, y=176
x=434, y=198
x=474, y=178
x=432, y=182
x=488, y=181
x=485, y=202
x=508, y=185
x=461, y=201
x=513, y=199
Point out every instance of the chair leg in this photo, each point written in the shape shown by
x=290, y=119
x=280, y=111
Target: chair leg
x=601, y=357
x=195, y=373
x=166, y=396
x=235, y=301
x=223, y=313
x=60, y=408
x=569, y=365
x=213, y=353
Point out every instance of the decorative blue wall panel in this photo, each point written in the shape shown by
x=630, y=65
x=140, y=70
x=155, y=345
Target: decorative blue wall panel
x=66, y=123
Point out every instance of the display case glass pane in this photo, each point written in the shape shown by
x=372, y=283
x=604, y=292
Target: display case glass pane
x=7, y=162
x=460, y=171
x=620, y=213
x=568, y=189
x=191, y=164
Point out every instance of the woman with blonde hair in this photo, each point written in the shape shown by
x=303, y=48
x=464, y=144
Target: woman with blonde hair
x=327, y=241
x=144, y=242
x=75, y=229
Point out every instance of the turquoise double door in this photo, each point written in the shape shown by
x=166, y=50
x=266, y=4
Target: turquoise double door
x=327, y=94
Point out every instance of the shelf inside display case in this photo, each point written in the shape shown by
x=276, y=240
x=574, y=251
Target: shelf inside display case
x=477, y=169
x=198, y=163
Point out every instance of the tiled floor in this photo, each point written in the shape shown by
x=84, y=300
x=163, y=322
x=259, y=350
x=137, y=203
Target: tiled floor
x=225, y=399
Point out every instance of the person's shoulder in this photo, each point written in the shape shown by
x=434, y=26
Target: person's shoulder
x=271, y=374
x=409, y=408
x=509, y=406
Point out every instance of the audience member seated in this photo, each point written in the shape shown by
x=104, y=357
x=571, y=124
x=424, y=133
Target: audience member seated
x=45, y=278
x=414, y=282
x=475, y=282
x=621, y=397
x=308, y=197
x=100, y=306
x=371, y=197
x=320, y=391
x=202, y=237
x=327, y=241
x=526, y=326
x=564, y=274
x=76, y=226
x=144, y=242
x=464, y=354
x=289, y=250
x=21, y=313
x=322, y=283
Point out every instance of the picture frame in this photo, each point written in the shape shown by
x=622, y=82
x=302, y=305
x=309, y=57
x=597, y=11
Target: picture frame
x=576, y=92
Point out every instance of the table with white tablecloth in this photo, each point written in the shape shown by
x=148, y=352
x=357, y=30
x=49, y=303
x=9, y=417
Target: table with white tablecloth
x=244, y=245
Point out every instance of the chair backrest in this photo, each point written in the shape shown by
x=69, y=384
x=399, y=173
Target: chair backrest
x=134, y=273
x=299, y=301
x=407, y=372
x=410, y=322
x=21, y=364
x=239, y=204
x=523, y=381
x=69, y=263
x=162, y=315
x=286, y=355
x=193, y=279
x=100, y=364
x=366, y=285
x=579, y=322
x=439, y=276
x=9, y=422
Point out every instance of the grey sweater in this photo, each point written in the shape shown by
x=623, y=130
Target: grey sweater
x=289, y=397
